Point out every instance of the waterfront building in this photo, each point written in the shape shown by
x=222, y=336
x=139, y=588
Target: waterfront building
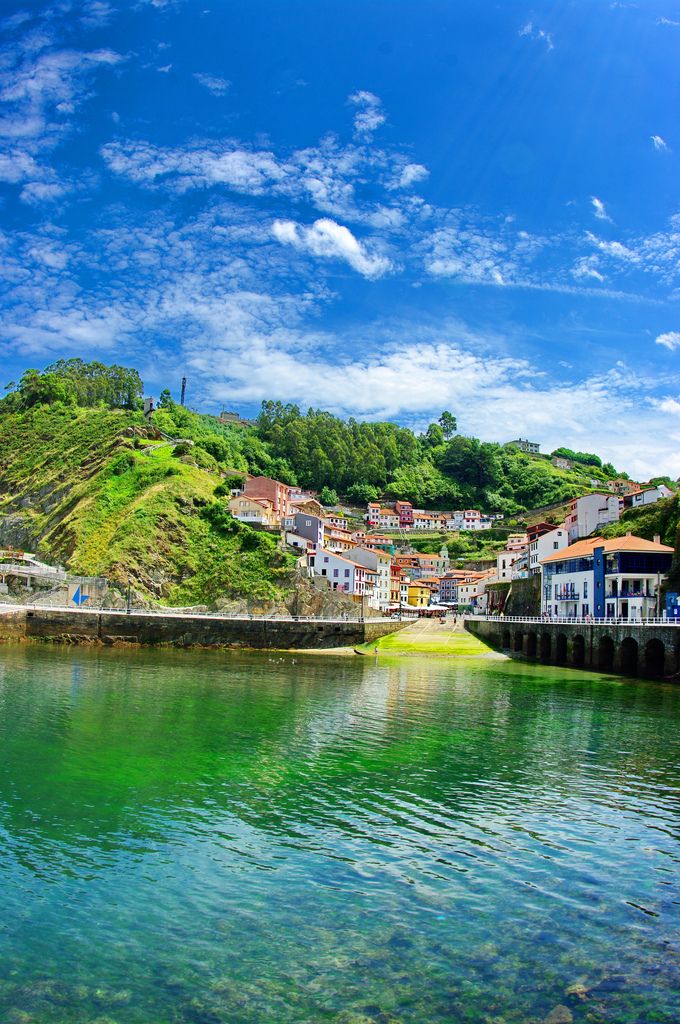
x=616, y=578
x=379, y=562
x=546, y=544
x=343, y=573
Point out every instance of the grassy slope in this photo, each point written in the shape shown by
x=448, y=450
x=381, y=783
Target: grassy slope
x=87, y=498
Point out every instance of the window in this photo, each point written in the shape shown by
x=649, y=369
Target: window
x=585, y=588
x=335, y=573
x=555, y=545
x=346, y=573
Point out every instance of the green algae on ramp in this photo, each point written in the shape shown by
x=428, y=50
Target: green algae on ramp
x=434, y=638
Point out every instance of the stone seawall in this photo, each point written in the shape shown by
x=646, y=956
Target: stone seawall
x=71, y=627
x=651, y=651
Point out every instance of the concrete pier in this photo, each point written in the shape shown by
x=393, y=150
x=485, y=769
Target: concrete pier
x=625, y=648
x=111, y=628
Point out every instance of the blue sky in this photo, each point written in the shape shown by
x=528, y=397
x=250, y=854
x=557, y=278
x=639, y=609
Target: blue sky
x=381, y=208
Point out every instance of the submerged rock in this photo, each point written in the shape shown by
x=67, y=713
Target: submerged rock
x=559, y=1015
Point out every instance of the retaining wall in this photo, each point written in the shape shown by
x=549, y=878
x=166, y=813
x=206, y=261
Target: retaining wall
x=650, y=651
x=61, y=626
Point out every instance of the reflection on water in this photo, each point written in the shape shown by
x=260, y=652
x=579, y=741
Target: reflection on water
x=205, y=838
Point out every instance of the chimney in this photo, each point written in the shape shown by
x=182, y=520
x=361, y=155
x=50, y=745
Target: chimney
x=657, y=538
x=629, y=533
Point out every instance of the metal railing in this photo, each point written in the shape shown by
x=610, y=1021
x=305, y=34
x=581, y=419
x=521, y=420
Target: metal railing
x=573, y=620
x=179, y=613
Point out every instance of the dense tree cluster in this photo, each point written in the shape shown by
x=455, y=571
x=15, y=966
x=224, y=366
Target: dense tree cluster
x=437, y=469
x=75, y=382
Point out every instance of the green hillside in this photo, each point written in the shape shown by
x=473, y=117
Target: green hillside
x=86, y=488
x=662, y=519
x=86, y=482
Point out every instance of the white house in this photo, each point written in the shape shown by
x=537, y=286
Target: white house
x=605, y=579
x=545, y=545
x=588, y=513
x=342, y=573
x=647, y=496
x=379, y=562
x=504, y=563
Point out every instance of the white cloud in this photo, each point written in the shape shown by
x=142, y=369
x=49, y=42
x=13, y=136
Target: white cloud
x=530, y=31
x=670, y=340
x=587, y=267
x=217, y=86
x=670, y=405
x=615, y=249
x=668, y=21
x=370, y=115
x=42, y=191
x=165, y=69
x=659, y=143
x=330, y=240
x=479, y=252
x=599, y=208
x=409, y=175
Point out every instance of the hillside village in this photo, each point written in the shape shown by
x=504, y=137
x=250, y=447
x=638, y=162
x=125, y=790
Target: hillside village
x=385, y=573
x=185, y=508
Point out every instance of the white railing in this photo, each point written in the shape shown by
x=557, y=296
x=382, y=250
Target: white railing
x=173, y=613
x=551, y=620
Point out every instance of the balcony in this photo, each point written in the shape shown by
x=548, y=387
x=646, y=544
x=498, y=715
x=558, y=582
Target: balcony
x=567, y=595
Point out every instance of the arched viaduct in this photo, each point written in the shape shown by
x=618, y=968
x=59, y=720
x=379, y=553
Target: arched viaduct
x=652, y=652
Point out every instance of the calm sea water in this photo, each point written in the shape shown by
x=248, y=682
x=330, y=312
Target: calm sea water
x=203, y=838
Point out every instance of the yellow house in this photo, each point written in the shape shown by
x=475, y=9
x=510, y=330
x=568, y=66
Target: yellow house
x=253, y=510
x=418, y=595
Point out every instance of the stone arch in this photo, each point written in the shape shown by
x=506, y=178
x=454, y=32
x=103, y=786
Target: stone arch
x=578, y=656
x=532, y=644
x=655, y=657
x=560, y=649
x=605, y=654
x=518, y=641
x=628, y=656
x=505, y=641
x=546, y=646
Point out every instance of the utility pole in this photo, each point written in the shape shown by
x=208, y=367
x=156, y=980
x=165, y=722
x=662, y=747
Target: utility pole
x=129, y=598
x=183, y=391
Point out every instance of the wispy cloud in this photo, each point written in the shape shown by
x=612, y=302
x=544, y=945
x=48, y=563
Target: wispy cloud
x=668, y=21
x=329, y=240
x=41, y=88
x=587, y=267
x=533, y=32
x=217, y=86
x=370, y=115
x=599, y=209
x=659, y=143
x=670, y=340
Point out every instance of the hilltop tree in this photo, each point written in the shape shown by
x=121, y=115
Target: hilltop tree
x=449, y=424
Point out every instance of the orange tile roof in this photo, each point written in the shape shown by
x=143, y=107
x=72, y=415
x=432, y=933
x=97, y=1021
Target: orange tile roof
x=583, y=548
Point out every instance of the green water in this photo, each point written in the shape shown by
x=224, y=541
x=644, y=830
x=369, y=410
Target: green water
x=210, y=838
